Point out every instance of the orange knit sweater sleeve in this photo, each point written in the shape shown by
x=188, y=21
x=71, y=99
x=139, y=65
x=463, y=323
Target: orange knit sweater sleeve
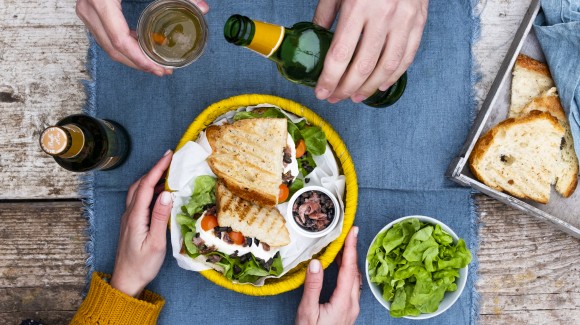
x=107, y=305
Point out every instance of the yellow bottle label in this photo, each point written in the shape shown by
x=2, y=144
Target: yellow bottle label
x=267, y=38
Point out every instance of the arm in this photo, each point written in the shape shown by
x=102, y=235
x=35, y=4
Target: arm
x=140, y=254
x=106, y=22
x=374, y=43
x=343, y=307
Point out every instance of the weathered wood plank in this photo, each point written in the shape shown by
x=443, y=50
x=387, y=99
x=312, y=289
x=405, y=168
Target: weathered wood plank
x=16, y=13
x=42, y=265
x=46, y=317
x=39, y=84
x=529, y=272
x=43, y=244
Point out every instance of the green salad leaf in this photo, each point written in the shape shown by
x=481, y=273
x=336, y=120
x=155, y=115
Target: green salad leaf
x=203, y=194
x=315, y=139
x=264, y=112
x=415, y=264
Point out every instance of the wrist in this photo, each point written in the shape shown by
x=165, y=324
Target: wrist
x=126, y=285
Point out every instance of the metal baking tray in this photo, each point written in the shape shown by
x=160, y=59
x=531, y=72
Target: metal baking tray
x=562, y=213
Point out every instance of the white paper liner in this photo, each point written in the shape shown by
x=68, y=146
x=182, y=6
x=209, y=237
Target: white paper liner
x=190, y=162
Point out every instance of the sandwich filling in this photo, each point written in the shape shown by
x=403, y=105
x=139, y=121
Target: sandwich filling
x=240, y=257
x=219, y=239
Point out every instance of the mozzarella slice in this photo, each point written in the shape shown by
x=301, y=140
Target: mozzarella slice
x=292, y=166
x=211, y=240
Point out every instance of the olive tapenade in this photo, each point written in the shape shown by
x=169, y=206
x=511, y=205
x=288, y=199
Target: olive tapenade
x=313, y=211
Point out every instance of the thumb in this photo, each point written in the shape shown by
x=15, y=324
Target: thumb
x=160, y=217
x=312, y=287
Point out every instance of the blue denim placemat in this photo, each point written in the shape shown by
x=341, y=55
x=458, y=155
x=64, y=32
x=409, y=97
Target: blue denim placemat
x=558, y=30
x=400, y=153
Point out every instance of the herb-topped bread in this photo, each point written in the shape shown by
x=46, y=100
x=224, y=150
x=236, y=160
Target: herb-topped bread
x=520, y=156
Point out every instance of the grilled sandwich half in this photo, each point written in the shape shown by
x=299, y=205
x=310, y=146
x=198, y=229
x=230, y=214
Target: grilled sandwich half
x=247, y=156
x=263, y=223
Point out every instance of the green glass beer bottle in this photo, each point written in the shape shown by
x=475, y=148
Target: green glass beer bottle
x=81, y=143
x=298, y=51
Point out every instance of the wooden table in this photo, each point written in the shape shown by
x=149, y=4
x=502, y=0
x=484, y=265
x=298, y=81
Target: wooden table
x=529, y=272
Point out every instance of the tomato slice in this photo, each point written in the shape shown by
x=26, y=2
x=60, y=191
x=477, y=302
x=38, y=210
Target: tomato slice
x=283, y=194
x=209, y=222
x=300, y=148
x=237, y=237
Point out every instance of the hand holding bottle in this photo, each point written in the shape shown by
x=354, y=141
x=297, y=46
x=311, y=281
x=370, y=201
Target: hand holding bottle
x=105, y=20
x=142, y=240
x=374, y=43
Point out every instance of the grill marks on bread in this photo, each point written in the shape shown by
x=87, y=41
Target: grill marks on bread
x=264, y=223
x=247, y=156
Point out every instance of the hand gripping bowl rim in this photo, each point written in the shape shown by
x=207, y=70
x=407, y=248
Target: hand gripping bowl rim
x=295, y=277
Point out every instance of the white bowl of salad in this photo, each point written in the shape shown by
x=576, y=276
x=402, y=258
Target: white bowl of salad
x=417, y=267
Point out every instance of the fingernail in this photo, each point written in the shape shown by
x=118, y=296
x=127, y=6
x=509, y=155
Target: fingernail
x=203, y=7
x=322, y=93
x=167, y=152
x=165, y=198
x=333, y=100
x=358, y=98
x=355, y=230
x=314, y=266
x=384, y=87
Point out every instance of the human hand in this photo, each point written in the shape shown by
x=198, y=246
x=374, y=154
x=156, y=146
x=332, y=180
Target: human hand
x=374, y=43
x=343, y=307
x=105, y=20
x=142, y=242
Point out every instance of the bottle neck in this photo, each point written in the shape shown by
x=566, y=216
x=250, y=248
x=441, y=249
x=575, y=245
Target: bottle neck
x=64, y=141
x=263, y=38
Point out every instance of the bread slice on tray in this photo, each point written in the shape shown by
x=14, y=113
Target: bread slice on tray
x=568, y=174
x=530, y=79
x=264, y=223
x=520, y=156
x=247, y=155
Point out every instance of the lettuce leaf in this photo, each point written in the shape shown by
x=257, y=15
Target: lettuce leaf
x=263, y=112
x=315, y=139
x=203, y=194
x=415, y=264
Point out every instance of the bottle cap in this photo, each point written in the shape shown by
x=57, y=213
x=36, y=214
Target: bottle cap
x=54, y=140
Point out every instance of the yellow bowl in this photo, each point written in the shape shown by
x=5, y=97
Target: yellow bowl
x=295, y=277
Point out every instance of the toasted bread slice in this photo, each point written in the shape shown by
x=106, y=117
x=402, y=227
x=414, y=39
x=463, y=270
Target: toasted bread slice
x=568, y=173
x=520, y=156
x=530, y=79
x=264, y=223
x=247, y=155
